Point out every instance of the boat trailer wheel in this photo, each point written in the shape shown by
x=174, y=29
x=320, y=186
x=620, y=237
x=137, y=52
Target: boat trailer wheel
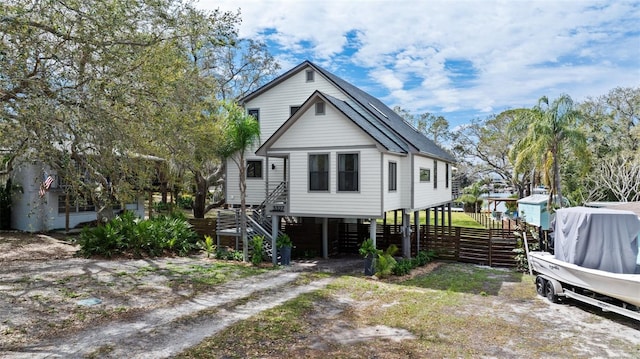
x=551, y=292
x=540, y=286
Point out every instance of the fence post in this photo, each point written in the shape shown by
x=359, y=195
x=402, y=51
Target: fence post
x=490, y=247
x=457, y=239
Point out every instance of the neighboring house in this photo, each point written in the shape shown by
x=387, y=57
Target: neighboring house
x=32, y=212
x=331, y=151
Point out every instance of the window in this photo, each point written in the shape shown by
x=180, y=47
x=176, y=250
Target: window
x=255, y=113
x=76, y=204
x=393, y=176
x=319, y=172
x=348, y=172
x=310, y=76
x=254, y=169
x=319, y=108
x=425, y=175
x=446, y=175
x=435, y=174
x=293, y=109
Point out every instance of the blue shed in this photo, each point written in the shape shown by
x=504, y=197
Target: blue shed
x=533, y=210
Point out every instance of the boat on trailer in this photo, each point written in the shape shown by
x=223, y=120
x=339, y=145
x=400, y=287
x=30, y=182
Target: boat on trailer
x=595, y=260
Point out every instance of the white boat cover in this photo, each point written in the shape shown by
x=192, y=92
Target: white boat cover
x=597, y=238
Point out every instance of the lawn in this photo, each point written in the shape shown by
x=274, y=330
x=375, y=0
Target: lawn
x=458, y=219
x=457, y=311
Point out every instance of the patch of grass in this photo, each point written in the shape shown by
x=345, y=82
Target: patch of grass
x=201, y=276
x=452, y=312
x=68, y=293
x=269, y=334
x=458, y=219
x=458, y=277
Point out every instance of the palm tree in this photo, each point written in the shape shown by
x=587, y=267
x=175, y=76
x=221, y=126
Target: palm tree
x=473, y=195
x=240, y=131
x=550, y=130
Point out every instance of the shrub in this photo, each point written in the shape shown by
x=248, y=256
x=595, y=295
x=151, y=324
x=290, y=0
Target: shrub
x=207, y=245
x=228, y=254
x=367, y=248
x=256, y=246
x=185, y=202
x=386, y=262
x=404, y=265
x=522, y=264
x=102, y=240
x=129, y=234
x=160, y=207
x=283, y=240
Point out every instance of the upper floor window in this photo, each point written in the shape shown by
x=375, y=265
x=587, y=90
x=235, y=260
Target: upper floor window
x=319, y=172
x=348, y=172
x=254, y=169
x=425, y=175
x=293, y=109
x=446, y=175
x=319, y=108
x=310, y=75
x=255, y=113
x=393, y=176
x=435, y=174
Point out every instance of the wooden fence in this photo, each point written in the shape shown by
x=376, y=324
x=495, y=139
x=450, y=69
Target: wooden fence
x=207, y=227
x=485, y=246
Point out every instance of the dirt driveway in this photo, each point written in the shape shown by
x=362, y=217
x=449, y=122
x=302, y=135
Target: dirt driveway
x=55, y=305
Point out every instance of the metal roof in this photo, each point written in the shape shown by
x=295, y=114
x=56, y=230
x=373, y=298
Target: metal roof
x=371, y=114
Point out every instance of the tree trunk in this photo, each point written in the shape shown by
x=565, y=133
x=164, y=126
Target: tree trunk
x=200, y=197
x=163, y=191
x=243, y=208
x=104, y=211
x=556, y=178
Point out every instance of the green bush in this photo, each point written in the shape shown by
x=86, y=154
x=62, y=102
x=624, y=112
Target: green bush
x=404, y=265
x=386, y=262
x=256, y=249
x=127, y=234
x=185, y=202
x=207, y=245
x=228, y=254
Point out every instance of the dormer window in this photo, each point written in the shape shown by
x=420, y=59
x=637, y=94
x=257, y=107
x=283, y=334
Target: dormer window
x=319, y=108
x=310, y=75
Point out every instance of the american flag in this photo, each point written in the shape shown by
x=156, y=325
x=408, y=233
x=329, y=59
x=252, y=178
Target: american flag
x=44, y=187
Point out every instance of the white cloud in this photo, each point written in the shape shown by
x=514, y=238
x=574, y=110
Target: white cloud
x=519, y=50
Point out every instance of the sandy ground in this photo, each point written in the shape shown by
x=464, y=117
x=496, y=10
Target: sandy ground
x=43, y=312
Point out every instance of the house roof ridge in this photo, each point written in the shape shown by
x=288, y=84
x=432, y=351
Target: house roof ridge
x=392, y=121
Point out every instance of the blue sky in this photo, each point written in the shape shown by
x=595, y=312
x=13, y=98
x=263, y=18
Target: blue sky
x=458, y=59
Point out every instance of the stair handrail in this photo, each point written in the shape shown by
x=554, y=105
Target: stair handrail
x=274, y=195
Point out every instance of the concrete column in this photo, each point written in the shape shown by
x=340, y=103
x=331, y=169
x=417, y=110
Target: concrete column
x=416, y=220
x=275, y=221
x=372, y=230
x=325, y=238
